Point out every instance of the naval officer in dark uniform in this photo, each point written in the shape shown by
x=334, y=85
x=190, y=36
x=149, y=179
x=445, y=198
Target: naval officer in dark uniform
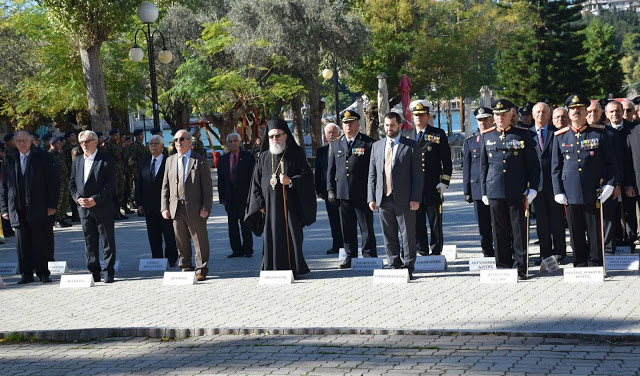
x=471, y=179
x=510, y=174
x=347, y=177
x=436, y=170
x=583, y=171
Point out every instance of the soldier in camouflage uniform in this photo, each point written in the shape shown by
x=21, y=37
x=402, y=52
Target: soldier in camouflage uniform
x=46, y=139
x=114, y=149
x=136, y=155
x=171, y=150
x=127, y=155
x=196, y=145
x=10, y=143
x=55, y=148
x=71, y=141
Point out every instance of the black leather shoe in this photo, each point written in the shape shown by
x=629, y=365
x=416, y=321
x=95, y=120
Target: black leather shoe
x=248, y=253
x=333, y=251
x=235, y=255
x=62, y=224
x=24, y=280
x=96, y=277
x=522, y=277
x=346, y=264
x=108, y=279
x=45, y=279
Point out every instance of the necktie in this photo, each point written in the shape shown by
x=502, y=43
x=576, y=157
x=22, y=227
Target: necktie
x=23, y=163
x=388, y=157
x=541, y=138
x=153, y=168
x=419, y=136
x=181, y=178
x=233, y=164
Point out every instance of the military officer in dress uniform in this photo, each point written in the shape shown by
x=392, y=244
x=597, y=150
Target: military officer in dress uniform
x=471, y=179
x=510, y=174
x=347, y=176
x=436, y=170
x=583, y=171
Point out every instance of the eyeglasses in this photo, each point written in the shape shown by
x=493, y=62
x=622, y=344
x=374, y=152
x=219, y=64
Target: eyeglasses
x=276, y=136
x=86, y=141
x=180, y=139
x=628, y=110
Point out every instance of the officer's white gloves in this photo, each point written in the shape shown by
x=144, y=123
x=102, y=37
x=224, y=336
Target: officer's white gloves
x=607, y=190
x=531, y=194
x=441, y=187
x=485, y=200
x=561, y=199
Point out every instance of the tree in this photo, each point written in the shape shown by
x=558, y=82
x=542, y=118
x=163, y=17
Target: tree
x=533, y=61
x=604, y=72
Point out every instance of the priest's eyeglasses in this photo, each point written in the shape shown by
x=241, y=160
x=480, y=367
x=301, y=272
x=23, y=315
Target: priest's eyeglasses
x=276, y=136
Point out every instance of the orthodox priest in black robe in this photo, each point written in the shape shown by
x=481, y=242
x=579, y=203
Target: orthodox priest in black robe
x=282, y=178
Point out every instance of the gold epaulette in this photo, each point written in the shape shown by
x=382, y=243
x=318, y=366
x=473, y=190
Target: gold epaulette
x=489, y=130
x=561, y=131
x=597, y=126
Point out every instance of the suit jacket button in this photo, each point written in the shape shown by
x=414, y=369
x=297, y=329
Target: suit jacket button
x=580, y=169
x=504, y=170
x=347, y=174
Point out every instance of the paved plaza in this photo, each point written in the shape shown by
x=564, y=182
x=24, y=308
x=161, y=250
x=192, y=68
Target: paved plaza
x=330, y=322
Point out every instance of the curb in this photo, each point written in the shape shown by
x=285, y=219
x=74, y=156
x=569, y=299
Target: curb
x=72, y=335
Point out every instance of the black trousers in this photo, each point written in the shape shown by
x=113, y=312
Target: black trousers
x=31, y=244
x=101, y=229
x=333, y=212
x=51, y=247
x=550, y=225
x=158, y=228
x=435, y=227
x=509, y=229
x=236, y=227
x=483, y=217
x=351, y=214
x=585, y=218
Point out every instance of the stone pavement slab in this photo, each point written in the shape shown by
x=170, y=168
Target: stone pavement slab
x=327, y=300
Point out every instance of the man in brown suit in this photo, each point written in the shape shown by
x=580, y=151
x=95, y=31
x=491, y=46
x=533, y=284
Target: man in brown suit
x=187, y=200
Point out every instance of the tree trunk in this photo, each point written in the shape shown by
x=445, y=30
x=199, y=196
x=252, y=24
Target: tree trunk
x=277, y=109
x=296, y=104
x=96, y=90
x=462, y=117
x=447, y=111
x=372, y=122
x=315, y=115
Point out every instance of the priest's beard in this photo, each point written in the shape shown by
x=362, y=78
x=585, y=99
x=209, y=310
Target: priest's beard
x=277, y=148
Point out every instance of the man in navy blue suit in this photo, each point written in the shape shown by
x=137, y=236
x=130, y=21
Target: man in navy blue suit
x=92, y=185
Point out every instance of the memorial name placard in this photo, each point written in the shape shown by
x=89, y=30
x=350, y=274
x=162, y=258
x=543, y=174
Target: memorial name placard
x=391, y=276
x=499, y=276
x=57, y=267
x=9, y=268
x=450, y=252
x=276, y=277
x=579, y=275
x=116, y=265
x=549, y=264
x=76, y=281
x=366, y=263
x=482, y=263
x=431, y=263
x=179, y=278
x=153, y=264
x=626, y=262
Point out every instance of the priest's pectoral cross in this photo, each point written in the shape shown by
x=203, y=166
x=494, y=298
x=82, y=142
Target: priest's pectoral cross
x=273, y=181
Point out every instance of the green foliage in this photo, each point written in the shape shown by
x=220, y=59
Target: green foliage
x=534, y=60
x=604, y=72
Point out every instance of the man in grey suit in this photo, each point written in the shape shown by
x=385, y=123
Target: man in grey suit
x=395, y=187
x=186, y=198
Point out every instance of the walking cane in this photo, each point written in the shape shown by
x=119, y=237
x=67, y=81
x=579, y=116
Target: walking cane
x=527, y=215
x=286, y=216
x=599, y=206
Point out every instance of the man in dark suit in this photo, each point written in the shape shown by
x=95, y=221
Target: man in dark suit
x=620, y=206
x=510, y=174
x=186, y=197
x=395, y=187
x=436, y=170
x=235, y=170
x=148, y=191
x=550, y=217
x=331, y=133
x=28, y=196
x=347, y=175
x=471, y=180
x=92, y=185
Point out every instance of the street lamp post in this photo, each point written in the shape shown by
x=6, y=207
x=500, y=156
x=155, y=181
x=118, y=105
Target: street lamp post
x=148, y=14
x=334, y=73
x=142, y=114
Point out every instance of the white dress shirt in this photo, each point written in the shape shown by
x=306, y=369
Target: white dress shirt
x=88, y=162
x=158, y=159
